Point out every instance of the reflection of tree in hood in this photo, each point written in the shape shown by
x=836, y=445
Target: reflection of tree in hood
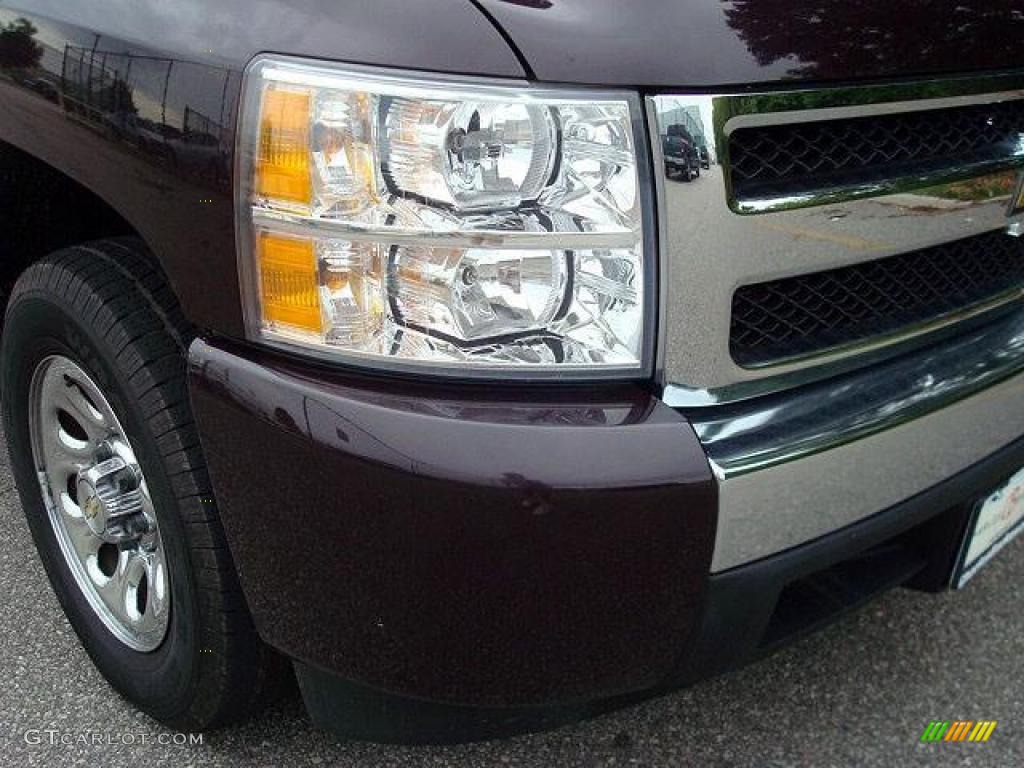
x=840, y=38
x=17, y=48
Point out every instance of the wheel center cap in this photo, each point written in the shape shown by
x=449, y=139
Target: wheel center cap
x=109, y=496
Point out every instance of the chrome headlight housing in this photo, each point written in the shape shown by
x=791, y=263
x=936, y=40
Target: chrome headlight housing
x=444, y=224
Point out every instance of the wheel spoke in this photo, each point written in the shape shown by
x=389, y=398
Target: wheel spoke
x=84, y=541
x=156, y=592
x=86, y=415
x=112, y=588
x=142, y=592
x=63, y=459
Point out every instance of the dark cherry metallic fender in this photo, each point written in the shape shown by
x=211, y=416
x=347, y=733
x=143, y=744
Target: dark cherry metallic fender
x=482, y=548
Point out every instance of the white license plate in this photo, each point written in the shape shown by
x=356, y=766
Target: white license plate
x=997, y=520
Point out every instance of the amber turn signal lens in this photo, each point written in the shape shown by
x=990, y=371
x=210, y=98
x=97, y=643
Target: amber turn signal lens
x=282, y=161
x=289, y=292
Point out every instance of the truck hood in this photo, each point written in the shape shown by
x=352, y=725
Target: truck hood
x=735, y=42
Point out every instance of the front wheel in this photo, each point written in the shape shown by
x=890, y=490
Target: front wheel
x=111, y=477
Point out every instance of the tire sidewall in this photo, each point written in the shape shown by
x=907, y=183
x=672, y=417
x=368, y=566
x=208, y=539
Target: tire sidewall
x=39, y=324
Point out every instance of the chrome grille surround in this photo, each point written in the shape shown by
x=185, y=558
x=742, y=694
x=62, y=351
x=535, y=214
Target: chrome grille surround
x=806, y=446
x=713, y=240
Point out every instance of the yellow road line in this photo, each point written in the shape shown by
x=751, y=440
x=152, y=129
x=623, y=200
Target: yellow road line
x=851, y=242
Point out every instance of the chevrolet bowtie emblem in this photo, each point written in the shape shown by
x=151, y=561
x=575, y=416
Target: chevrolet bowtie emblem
x=92, y=507
x=1016, y=210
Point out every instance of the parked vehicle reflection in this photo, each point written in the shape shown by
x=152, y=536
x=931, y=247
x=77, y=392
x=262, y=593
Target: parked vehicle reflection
x=687, y=139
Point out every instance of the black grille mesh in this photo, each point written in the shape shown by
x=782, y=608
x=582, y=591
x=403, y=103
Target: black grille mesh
x=810, y=313
x=817, y=154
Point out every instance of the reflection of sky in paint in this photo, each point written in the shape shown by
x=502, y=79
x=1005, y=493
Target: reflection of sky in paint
x=182, y=24
x=146, y=75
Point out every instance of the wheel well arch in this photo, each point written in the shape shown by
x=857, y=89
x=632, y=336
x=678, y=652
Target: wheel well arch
x=42, y=210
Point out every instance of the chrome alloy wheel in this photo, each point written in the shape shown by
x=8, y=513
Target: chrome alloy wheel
x=98, y=503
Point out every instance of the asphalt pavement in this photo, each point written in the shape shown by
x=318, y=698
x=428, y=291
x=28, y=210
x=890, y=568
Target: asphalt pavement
x=859, y=693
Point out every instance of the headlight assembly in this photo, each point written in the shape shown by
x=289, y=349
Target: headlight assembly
x=460, y=226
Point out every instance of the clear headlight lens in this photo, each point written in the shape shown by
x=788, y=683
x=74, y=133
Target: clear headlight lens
x=401, y=222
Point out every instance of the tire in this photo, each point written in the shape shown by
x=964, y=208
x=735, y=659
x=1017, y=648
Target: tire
x=107, y=309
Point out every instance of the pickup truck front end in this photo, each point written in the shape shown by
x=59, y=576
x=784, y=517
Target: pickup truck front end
x=502, y=421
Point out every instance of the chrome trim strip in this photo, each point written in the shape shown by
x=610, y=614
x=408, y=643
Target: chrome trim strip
x=868, y=109
x=771, y=431
x=876, y=98
x=877, y=188
x=663, y=263
x=292, y=223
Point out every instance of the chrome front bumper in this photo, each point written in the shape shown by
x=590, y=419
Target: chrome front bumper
x=799, y=465
x=804, y=447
